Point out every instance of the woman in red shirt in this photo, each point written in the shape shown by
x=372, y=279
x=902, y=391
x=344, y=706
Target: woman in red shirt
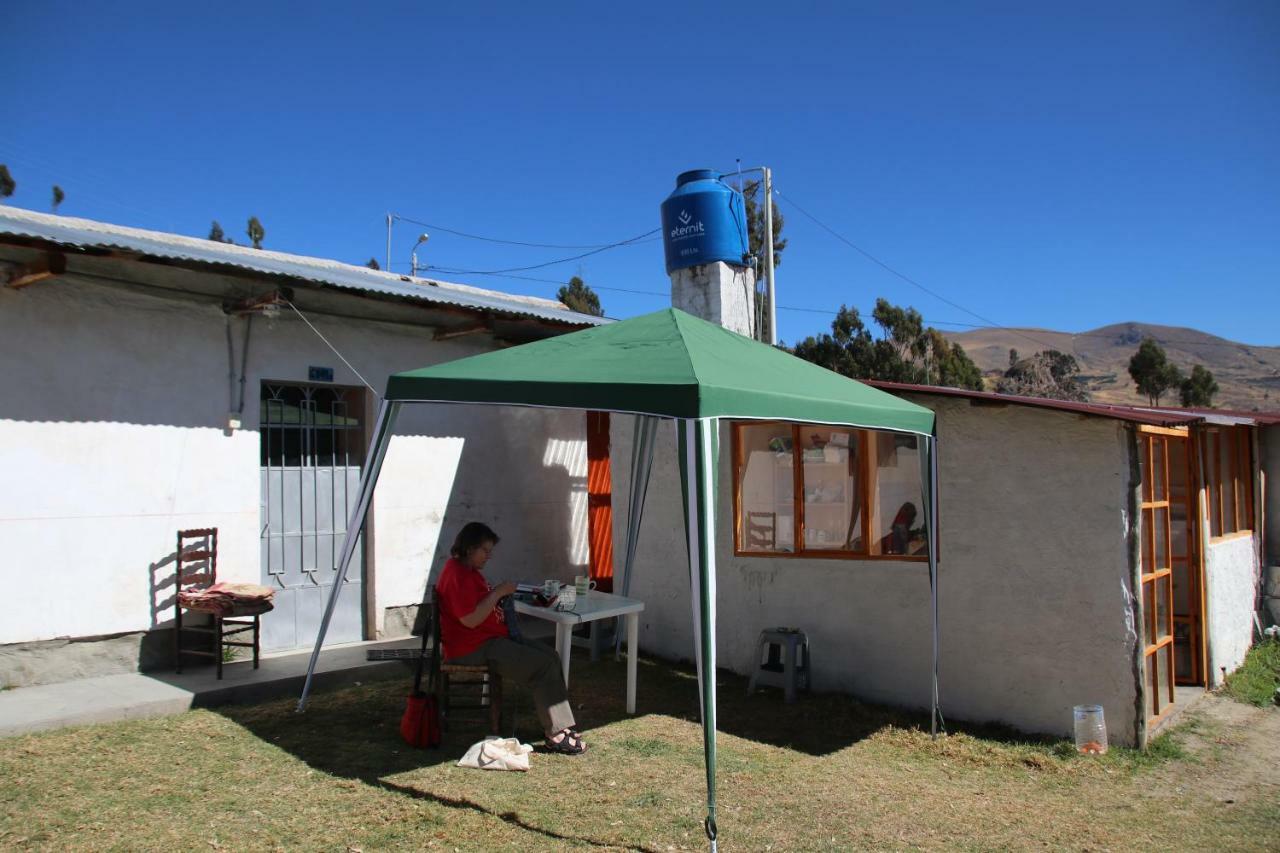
x=473, y=630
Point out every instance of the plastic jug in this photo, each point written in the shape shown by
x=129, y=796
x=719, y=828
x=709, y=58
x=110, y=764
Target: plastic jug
x=1090, y=729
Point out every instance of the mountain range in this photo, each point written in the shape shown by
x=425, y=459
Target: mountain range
x=1248, y=376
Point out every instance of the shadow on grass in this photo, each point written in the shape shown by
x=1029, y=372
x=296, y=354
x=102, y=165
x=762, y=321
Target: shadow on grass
x=354, y=732
x=507, y=817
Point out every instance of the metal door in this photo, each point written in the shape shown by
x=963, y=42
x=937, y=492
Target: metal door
x=312, y=444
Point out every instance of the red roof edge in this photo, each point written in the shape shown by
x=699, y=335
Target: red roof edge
x=1132, y=414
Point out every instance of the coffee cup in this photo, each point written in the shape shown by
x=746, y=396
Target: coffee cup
x=550, y=588
x=583, y=584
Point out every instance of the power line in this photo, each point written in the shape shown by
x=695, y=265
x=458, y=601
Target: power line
x=592, y=250
x=828, y=312
x=595, y=249
x=904, y=277
x=508, y=242
x=578, y=257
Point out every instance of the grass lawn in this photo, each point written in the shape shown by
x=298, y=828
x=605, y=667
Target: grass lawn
x=1258, y=678
x=825, y=773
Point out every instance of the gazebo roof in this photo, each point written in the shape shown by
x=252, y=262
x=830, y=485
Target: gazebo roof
x=668, y=364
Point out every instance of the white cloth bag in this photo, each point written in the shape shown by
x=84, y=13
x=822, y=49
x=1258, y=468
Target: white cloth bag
x=495, y=753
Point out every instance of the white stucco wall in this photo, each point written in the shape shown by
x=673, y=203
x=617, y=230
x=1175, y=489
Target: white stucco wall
x=112, y=412
x=1034, y=579
x=1232, y=575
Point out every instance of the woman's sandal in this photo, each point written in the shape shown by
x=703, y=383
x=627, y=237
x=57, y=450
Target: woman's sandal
x=570, y=743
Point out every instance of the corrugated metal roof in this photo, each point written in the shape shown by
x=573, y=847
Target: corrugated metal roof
x=87, y=234
x=1133, y=414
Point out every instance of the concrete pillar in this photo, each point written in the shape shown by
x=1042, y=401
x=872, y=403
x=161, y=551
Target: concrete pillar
x=719, y=293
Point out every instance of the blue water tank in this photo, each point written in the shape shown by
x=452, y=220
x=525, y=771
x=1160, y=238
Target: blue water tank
x=703, y=220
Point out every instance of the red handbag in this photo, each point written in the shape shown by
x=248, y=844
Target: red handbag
x=420, y=724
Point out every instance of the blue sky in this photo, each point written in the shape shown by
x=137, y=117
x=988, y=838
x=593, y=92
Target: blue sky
x=1039, y=164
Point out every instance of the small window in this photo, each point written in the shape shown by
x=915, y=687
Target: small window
x=1228, y=462
x=813, y=490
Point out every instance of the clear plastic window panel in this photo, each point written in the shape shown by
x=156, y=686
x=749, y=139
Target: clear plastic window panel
x=832, y=508
x=898, y=526
x=766, y=499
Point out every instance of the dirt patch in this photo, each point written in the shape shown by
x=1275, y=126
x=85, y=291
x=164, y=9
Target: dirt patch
x=1234, y=754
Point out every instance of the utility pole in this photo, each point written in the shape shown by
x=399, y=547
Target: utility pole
x=767, y=179
x=390, y=217
x=768, y=254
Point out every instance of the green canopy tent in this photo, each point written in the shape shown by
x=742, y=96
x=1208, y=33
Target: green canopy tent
x=671, y=365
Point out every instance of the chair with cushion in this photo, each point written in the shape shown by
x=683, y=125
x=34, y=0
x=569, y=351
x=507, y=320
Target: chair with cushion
x=479, y=686
x=233, y=609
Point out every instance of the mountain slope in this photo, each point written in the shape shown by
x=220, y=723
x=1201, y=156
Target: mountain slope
x=1249, y=376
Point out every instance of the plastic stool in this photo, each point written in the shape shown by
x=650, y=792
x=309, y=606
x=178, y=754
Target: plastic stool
x=776, y=668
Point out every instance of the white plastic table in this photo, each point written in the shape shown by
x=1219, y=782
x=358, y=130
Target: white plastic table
x=595, y=605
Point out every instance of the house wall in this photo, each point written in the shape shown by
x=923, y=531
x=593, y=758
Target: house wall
x=112, y=437
x=1231, y=588
x=1035, y=594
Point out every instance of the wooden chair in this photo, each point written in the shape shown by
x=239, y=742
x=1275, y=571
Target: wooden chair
x=479, y=685
x=196, y=564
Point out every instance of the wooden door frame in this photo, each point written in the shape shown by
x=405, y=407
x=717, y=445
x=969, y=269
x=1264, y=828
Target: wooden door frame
x=1150, y=506
x=599, y=501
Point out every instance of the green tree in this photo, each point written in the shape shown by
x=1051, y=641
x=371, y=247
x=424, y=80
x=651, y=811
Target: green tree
x=1198, y=388
x=848, y=350
x=216, y=233
x=7, y=184
x=58, y=197
x=373, y=264
x=1152, y=371
x=949, y=365
x=256, y=232
x=906, y=351
x=1049, y=373
x=579, y=296
x=755, y=224
x=902, y=327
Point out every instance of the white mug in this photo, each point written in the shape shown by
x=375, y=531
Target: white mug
x=550, y=588
x=583, y=584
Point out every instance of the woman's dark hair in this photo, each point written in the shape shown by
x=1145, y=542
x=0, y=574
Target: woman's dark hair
x=472, y=535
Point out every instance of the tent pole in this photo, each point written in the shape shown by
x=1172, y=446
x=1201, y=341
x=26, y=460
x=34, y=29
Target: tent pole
x=698, y=447
x=642, y=444
x=932, y=444
x=387, y=413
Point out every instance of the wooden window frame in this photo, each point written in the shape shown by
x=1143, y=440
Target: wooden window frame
x=1238, y=477
x=864, y=480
